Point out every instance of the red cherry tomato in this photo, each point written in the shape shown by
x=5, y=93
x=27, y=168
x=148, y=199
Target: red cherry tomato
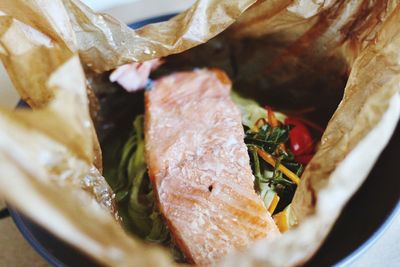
x=301, y=142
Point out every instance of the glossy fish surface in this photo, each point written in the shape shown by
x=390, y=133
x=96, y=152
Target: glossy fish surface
x=200, y=168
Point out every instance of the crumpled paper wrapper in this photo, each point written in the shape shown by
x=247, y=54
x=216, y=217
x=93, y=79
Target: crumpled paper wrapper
x=46, y=152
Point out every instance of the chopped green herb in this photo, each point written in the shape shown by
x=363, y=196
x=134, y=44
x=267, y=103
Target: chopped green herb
x=268, y=179
x=134, y=192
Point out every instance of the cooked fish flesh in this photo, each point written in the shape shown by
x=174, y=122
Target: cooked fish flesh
x=199, y=166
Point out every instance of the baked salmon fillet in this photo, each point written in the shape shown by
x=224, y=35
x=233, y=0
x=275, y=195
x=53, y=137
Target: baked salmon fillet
x=199, y=166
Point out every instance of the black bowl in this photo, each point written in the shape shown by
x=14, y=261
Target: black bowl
x=364, y=219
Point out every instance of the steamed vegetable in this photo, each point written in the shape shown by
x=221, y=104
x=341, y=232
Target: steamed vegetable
x=251, y=110
x=276, y=171
x=301, y=142
x=285, y=219
x=274, y=166
x=135, y=196
x=135, y=191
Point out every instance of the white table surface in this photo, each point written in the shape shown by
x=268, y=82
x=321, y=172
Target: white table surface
x=385, y=252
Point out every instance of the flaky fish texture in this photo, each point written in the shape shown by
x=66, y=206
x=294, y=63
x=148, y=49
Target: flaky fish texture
x=306, y=52
x=199, y=166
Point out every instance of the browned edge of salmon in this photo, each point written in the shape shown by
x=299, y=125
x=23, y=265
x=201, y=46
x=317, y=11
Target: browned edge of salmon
x=199, y=166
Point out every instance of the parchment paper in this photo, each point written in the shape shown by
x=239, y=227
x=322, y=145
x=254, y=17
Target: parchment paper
x=45, y=45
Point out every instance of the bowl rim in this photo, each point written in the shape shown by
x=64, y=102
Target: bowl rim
x=31, y=239
x=19, y=221
x=372, y=239
x=50, y=258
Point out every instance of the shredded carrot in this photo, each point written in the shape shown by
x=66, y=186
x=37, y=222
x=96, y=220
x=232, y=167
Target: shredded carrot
x=260, y=122
x=282, y=221
x=271, y=117
x=269, y=159
x=273, y=204
x=282, y=147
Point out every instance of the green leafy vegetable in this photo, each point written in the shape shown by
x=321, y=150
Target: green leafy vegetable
x=251, y=110
x=268, y=179
x=268, y=138
x=134, y=193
